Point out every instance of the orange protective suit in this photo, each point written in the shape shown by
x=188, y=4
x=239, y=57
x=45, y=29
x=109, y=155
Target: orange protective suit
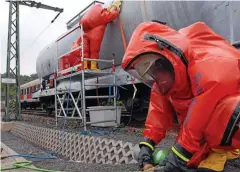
x=94, y=24
x=97, y=16
x=92, y=44
x=77, y=43
x=74, y=58
x=95, y=37
x=206, y=92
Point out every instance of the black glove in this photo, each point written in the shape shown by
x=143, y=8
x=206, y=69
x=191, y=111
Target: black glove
x=177, y=159
x=145, y=154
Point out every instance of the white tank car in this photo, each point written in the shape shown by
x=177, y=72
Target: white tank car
x=220, y=16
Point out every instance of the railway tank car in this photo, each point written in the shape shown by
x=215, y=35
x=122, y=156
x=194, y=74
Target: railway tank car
x=220, y=16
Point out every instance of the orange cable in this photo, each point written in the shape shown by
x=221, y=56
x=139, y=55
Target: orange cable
x=122, y=33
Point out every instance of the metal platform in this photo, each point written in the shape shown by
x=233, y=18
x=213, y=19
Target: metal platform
x=88, y=74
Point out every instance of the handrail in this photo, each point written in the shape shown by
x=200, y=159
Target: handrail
x=98, y=60
x=67, y=33
x=69, y=52
x=101, y=97
x=73, y=68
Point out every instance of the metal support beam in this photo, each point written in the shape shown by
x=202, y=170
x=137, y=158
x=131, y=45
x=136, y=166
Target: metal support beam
x=13, y=64
x=12, y=99
x=40, y=5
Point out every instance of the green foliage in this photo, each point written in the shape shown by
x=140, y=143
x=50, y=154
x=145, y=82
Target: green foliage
x=111, y=103
x=23, y=79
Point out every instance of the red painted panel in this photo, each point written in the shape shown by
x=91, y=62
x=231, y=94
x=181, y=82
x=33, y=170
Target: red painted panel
x=21, y=97
x=29, y=96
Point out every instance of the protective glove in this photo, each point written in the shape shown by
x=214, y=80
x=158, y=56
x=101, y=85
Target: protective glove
x=145, y=155
x=177, y=159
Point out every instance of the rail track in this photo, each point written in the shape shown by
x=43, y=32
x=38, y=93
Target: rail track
x=39, y=114
x=36, y=112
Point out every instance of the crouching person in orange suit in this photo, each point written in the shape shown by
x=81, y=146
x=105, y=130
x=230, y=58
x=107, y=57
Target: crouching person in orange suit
x=194, y=74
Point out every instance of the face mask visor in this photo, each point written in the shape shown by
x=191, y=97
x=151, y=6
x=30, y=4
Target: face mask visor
x=152, y=71
x=146, y=79
x=140, y=69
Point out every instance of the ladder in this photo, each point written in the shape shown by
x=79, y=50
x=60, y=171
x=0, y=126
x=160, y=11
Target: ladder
x=78, y=108
x=68, y=105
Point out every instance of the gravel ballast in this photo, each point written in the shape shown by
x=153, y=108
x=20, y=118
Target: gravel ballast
x=124, y=134
x=62, y=164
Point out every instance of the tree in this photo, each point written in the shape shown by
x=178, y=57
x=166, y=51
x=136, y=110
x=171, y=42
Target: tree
x=23, y=79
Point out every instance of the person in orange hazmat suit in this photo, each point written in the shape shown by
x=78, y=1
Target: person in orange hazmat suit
x=94, y=23
x=193, y=74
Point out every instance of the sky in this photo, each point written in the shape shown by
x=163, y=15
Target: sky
x=32, y=22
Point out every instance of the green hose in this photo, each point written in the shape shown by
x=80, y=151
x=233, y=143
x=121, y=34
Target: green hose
x=25, y=164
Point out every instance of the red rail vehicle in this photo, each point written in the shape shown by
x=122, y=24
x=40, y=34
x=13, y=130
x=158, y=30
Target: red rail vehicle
x=27, y=97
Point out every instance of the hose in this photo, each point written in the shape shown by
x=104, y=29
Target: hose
x=33, y=156
x=25, y=164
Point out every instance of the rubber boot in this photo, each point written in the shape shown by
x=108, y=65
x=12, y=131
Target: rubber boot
x=214, y=162
x=85, y=64
x=94, y=65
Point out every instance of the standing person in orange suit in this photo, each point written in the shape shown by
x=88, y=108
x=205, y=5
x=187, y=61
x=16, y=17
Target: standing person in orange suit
x=94, y=23
x=194, y=75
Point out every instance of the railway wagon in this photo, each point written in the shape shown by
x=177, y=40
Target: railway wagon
x=220, y=16
x=28, y=98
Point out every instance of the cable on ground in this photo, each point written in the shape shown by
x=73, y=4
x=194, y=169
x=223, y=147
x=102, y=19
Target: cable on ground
x=33, y=156
x=25, y=164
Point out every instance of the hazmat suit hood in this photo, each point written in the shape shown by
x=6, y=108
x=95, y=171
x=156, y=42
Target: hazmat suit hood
x=154, y=37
